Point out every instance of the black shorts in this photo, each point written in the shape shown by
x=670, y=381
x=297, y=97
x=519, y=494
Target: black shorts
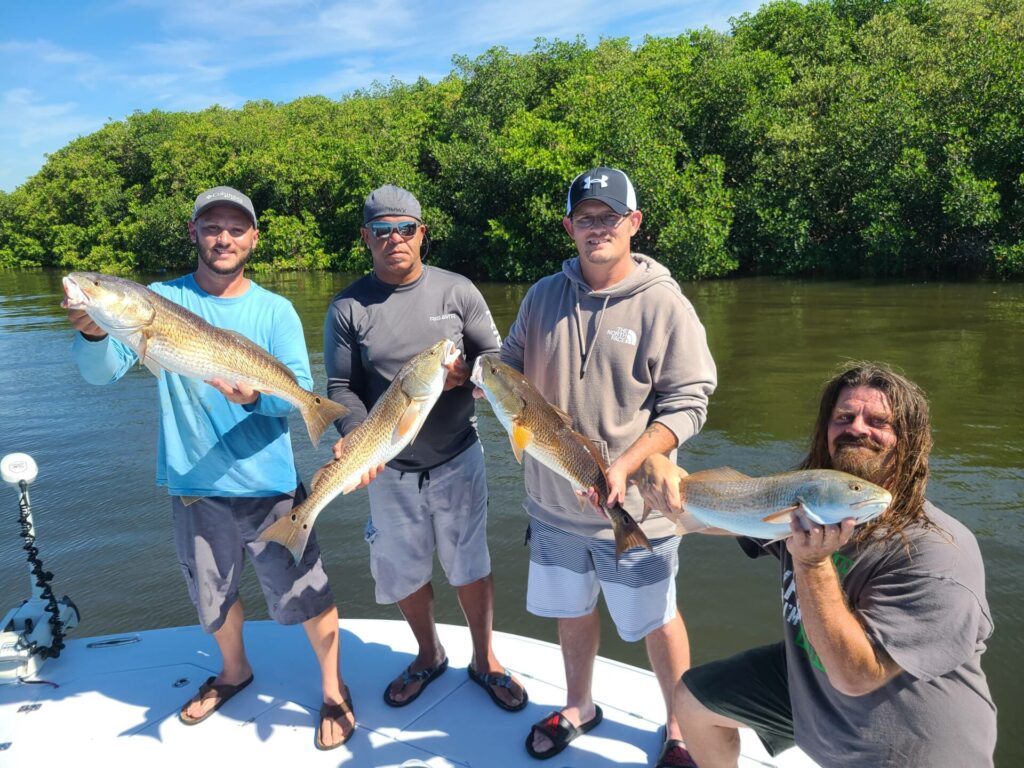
x=751, y=688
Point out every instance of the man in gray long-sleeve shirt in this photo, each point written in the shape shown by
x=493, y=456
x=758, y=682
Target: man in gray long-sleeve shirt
x=434, y=493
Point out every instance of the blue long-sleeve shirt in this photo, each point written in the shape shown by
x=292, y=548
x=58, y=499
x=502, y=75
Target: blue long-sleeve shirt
x=209, y=446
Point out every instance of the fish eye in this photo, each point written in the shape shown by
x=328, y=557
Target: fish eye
x=855, y=486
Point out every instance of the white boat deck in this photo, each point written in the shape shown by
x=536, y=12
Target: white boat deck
x=116, y=704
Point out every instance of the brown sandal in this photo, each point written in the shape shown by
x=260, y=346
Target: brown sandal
x=338, y=713
x=224, y=692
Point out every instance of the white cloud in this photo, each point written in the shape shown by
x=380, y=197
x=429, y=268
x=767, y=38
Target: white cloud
x=30, y=128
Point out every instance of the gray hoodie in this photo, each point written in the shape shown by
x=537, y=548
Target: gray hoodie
x=616, y=360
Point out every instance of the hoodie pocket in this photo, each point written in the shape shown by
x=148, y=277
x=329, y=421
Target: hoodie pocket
x=602, y=446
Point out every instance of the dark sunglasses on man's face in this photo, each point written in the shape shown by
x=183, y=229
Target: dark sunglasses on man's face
x=383, y=229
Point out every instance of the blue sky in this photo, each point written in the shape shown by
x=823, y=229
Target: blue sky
x=66, y=68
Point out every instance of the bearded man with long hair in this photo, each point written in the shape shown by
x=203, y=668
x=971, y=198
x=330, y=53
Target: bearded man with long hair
x=884, y=625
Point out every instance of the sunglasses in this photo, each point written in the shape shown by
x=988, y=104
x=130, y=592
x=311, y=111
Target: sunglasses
x=610, y=220
x=383, y=229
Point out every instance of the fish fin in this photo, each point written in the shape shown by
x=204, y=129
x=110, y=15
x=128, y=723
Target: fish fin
x=291, y=531
x=811, y=514
x=318, y=414
x=690, y=523
x=188, y=501
x=407, y=423
x=154, y=367
x=781, y=517
x=520, y=438
x=628, y=534
x=593, y=451
x=719, y=474
x=319, y=474
x=647, y=511
x=349, y=487
x=565, y=417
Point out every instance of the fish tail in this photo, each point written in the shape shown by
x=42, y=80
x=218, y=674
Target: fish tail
x=628, y=534
x=319, y=413
x=291, y=531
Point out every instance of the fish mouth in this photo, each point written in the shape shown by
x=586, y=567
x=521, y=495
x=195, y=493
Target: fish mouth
x=75, y=297
x=477, y=376
x=867, y=510
x=450, y=353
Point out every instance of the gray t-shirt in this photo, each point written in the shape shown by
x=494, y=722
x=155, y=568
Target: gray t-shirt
x=371, y=330
x=927, y=609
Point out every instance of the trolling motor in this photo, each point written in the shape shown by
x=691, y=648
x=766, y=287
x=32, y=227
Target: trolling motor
x=34, y=631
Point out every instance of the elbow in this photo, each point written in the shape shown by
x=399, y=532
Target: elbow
x=856, y=686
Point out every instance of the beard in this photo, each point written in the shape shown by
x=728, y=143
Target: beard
x=220, y=269
x=863, y=457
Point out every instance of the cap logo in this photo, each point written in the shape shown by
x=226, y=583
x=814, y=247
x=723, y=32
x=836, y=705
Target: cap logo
x=602, y=180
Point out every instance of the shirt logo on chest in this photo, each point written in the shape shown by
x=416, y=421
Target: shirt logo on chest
x=623, y=336
x=438, y=318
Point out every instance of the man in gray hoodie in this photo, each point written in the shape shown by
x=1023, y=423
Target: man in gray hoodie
x=612, y=341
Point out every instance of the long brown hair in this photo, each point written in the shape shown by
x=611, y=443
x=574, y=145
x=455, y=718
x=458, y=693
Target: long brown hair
x=908, y=476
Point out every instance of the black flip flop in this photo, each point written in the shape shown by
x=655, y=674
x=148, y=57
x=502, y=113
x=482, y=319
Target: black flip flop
x=557, y=727
x=424, y=676
x=488, y=680
x=224, y=693
x=335, y=712
x=674, y=755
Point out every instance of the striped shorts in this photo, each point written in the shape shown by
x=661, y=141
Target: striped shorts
x=568, y=571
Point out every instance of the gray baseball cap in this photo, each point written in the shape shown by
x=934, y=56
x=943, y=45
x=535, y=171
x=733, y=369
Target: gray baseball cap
x=390, y=200
x=224, y=196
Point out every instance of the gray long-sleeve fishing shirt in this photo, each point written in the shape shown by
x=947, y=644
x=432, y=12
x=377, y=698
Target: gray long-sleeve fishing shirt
x=372, y=328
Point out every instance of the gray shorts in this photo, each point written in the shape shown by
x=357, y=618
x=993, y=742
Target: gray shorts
x=212, y=537
x=411, y=513
x=568, y=572
x=752, y=688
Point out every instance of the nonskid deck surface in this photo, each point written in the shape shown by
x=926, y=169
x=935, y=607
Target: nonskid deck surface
x=117, y=702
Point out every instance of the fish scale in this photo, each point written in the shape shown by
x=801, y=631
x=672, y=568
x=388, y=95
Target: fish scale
x=167, y=336
x=538, y=428
x=390, y=426
x=761, y=507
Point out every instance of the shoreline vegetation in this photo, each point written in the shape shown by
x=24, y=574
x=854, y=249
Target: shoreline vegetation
x=840, y=138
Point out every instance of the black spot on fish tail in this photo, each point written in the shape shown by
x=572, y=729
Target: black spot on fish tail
x=628, y=534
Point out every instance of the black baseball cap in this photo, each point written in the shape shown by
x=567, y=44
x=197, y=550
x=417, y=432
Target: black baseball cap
x=607, y=185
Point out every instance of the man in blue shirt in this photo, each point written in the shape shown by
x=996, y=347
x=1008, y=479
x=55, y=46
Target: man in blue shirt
x=226, y=459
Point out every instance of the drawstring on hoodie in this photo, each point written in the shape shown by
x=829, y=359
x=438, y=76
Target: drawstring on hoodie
x=584, y=352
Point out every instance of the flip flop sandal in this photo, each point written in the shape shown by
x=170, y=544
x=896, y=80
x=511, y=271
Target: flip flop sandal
x=560, y=731
x=424, y=676
x=488, y=680
x=224, y=693
x=674, y=755
x=338, y=713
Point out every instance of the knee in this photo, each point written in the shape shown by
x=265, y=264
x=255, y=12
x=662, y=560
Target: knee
x=682, y=699
x=687, y=707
